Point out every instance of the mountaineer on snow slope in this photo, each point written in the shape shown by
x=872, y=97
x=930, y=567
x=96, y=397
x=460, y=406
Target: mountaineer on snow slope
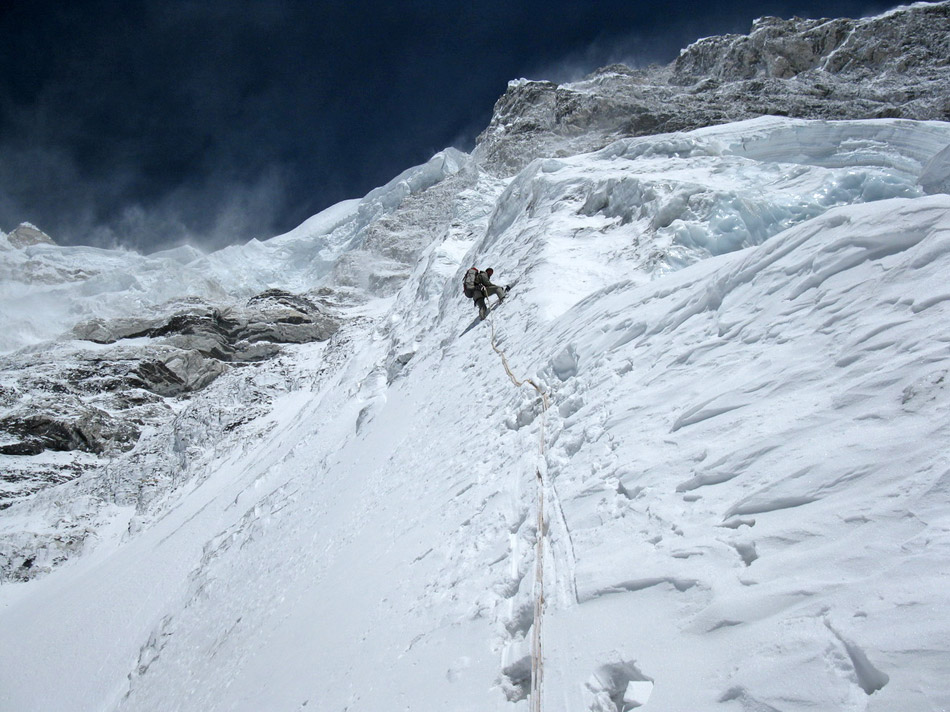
x=477, y=285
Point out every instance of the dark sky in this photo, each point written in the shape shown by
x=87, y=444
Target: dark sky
x=150, y=123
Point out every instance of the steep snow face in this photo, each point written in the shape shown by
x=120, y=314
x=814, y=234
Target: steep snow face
x=740, y=336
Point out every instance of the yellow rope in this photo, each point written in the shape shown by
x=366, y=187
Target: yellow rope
x=537, y=659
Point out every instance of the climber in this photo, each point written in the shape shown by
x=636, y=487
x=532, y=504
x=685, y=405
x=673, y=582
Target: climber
x=478, y=286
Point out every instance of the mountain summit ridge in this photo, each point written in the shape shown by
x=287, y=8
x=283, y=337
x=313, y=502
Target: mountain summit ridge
x=890, y=66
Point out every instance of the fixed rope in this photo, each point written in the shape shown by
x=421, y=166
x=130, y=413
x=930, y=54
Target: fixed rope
x=537, y=658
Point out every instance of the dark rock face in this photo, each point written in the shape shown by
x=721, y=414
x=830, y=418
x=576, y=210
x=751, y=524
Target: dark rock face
x=775, y=48
x=279, y=317
x=896, y=65
x=87, y=405
x=236, y=334
x=86, y=429
x=97, y=401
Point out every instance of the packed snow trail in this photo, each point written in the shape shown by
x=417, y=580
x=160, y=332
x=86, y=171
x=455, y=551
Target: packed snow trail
x=537, y=652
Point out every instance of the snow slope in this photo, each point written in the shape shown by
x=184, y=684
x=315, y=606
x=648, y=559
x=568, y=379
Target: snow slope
x=741, y=337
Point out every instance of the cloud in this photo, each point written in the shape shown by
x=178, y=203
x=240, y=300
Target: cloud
x=631, y=50
x=45, y=185
x=209, y=216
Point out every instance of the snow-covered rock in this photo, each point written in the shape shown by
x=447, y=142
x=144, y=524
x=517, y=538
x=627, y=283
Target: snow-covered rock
x=893, y=65
x=26, y=234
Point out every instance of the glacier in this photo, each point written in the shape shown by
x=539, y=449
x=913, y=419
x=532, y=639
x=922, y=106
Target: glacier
x=740, y=336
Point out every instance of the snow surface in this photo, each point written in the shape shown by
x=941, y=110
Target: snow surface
x=741, y=333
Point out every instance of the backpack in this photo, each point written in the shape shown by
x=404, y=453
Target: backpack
x=468, y=283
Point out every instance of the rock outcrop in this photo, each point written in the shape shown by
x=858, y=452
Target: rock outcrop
x=243, y=333
x=26, y=235
x=96, y=402
x=896, y=65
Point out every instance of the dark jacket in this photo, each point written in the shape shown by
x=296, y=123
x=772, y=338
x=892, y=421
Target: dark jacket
x=482, y=281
